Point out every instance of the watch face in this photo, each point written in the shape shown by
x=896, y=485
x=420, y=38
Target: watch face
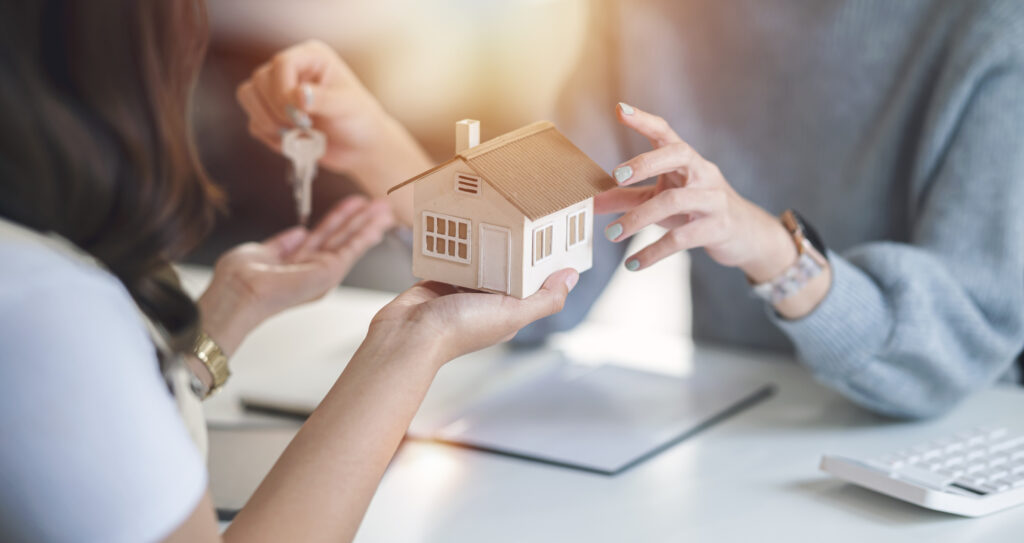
x=811, y=234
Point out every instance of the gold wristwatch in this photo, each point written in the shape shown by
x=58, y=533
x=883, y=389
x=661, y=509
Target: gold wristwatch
x=211, y=355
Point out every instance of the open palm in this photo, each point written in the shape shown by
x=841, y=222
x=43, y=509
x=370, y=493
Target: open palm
x=468, y=321
x=255, y=281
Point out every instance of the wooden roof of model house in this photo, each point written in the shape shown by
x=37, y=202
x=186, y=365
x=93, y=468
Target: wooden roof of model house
x=536, y=168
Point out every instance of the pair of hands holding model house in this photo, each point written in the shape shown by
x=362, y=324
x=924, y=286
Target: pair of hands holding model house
x=691, y=197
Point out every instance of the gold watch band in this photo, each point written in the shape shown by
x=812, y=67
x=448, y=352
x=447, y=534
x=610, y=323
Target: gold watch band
x=211, y=355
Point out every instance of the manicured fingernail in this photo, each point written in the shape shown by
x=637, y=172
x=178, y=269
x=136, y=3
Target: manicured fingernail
x=570, y=282
x=632, y=264
x=626, y=108
x=298, y=117
x=622, y=173
x=307, y=95
x=282, y=131
x=613, y=231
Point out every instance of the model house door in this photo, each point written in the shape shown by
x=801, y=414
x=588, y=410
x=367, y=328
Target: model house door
x=495, y=257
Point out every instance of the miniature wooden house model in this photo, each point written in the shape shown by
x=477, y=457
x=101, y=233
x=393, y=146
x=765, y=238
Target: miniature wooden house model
x=503, y=215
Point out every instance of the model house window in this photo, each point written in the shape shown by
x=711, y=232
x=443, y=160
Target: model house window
x=542, y=243
x=446, y=237
x=576, y=229
x=468, y=184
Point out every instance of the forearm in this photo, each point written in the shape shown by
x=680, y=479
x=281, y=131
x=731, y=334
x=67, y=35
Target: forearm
x=395, y=157
x=322, y=484
x=228, y=312
x=900, y=335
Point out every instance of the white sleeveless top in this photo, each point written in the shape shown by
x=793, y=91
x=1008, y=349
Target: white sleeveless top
x=97, y=441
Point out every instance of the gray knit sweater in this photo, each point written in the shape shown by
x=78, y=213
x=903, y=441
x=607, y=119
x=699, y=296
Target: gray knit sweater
x=895, y=127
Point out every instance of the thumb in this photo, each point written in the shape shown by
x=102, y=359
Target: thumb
x=323, y=101
x=550, y=299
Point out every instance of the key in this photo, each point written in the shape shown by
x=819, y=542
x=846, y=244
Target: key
x=997, y=461
x=303, y=147
x=1007, y=445
x=997, y=486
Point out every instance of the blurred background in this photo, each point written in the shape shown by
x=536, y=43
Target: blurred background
x=431, y=63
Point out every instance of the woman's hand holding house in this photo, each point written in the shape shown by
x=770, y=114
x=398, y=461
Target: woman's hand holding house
x=447, y=321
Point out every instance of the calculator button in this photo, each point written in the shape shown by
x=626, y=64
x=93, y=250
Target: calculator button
x=996, y=473
x=997, y=461
x=974, y=468
x=996, y=433
x=1007, y=445
x=997, y=486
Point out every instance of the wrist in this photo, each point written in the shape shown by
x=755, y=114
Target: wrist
x=404, y=343
x=773, y=253
x=391, y=156
x=200, y=370
x=228, y=313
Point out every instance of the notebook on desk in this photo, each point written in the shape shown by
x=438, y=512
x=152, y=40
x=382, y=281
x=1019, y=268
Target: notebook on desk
x=602, y=419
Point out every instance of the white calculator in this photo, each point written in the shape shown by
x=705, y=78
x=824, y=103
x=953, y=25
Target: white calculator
x=972, y=473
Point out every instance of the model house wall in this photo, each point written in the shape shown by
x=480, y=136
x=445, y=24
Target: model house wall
x=578, y=256
x=536, y=249
x=436, y=194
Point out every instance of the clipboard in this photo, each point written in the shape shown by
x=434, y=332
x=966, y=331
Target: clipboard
x=601, y=419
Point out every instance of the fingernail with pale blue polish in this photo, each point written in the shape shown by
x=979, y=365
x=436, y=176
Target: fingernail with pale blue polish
x=626, y=108
x=613, y=231
x=298, y=117
x=282, y=131
x=632, y=264
x=622, y=173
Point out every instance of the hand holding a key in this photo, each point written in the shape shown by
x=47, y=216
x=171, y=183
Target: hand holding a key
x=308, y=85
x=255, y=281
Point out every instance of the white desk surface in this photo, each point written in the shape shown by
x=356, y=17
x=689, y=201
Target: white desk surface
x=751, y=477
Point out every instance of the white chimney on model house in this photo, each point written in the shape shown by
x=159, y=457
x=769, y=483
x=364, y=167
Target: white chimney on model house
x=467, y=134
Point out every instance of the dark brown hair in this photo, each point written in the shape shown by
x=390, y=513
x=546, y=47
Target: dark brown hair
x=95, y=140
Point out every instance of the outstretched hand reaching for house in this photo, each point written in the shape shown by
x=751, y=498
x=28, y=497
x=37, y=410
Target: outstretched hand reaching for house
x=693, y=200
x=308, y=84
x=698, y=206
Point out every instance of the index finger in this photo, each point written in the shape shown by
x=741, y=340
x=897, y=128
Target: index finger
x=302, y=71
x=305, y=62
x=653, y=127
x=622, y=199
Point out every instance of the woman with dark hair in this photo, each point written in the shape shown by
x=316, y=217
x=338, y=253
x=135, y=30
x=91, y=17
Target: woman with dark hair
x=103, y=358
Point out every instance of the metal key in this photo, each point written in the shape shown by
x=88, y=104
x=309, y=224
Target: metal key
x=303, y=147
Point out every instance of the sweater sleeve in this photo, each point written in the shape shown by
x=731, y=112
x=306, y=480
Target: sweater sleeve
x=909, y=329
